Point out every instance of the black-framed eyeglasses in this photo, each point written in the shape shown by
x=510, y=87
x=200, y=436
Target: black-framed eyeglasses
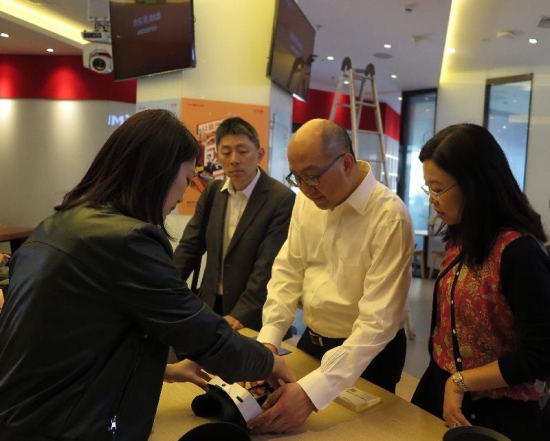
x=437, y=195
x=311, y=180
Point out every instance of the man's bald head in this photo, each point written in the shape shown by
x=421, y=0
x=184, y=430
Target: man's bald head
x=321, y=137
x=323, y=163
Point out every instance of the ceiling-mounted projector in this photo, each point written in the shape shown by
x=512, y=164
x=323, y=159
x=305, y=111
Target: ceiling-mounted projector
x=97, y=36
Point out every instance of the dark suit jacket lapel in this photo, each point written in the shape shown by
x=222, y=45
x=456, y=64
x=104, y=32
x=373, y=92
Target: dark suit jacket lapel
x=216, y=222
x=257, y=199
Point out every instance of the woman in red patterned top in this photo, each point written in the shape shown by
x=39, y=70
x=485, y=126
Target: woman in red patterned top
x=490, y=332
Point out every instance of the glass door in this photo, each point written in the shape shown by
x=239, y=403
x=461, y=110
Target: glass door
x=417, y=126
x=507, y=105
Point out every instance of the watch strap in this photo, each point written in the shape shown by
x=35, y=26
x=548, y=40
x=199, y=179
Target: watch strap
x=458, y=379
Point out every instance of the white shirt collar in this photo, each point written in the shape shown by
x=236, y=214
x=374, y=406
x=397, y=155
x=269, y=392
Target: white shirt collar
x=359, y=199
x=247, y=191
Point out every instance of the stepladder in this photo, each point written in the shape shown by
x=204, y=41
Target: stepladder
x=368, y=142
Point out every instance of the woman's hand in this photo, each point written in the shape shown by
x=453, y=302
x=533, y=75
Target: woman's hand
x=186, y=371
x=452, y=405
x=4, y=258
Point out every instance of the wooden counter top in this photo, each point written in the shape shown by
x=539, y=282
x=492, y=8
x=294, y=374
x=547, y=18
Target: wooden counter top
x=10, y=233
x=394, y=419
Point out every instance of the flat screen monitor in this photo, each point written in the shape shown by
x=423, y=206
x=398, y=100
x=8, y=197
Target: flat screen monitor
x=292, y=45
x=151, y=36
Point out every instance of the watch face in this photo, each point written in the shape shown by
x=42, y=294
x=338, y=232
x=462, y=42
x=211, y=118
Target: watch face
x=473, y=433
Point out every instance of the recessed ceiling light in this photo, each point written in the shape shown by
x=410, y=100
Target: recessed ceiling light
x=394, y=76
x=49, y=49
x=4, y=35
x=451, y=50
x=400, y=98
x=533, y=41
x=330, y=58
x=387, y=46
x=507, y=34
x=346, y=82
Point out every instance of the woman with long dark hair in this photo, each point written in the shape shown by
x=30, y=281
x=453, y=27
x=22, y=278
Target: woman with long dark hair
x=490, y=332
x=95, y=301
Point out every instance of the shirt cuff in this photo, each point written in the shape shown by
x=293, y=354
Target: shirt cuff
x=270, y=334
x=317, y=388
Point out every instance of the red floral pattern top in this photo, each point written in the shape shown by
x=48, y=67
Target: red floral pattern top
x=485, y=326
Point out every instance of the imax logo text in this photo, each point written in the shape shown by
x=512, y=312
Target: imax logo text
x=116, y=120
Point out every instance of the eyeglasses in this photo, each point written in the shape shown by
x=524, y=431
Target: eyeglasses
x=437, y=195
x=311, y=180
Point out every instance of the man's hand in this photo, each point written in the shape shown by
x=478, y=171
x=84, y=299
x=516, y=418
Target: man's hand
x=235, y=324
x=286, y=410
x=272, y=348
x=280, y=372
x=184, y=371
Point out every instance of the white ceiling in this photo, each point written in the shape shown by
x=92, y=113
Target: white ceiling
x=359, y=29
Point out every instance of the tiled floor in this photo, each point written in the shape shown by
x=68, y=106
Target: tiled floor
x=420, y=305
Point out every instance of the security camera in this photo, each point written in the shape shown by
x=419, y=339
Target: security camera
x=98, y=57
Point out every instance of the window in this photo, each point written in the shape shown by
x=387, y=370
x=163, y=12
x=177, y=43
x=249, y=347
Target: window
x=417, y=127
x=507, y=105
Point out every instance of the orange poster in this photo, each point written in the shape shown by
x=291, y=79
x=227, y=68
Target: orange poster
x=202, y=117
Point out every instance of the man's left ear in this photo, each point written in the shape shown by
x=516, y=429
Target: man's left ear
x=348, y=162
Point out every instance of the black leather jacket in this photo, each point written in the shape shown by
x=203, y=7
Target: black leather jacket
x=93, y=304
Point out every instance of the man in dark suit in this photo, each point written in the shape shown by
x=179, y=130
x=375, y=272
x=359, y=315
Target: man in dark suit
x=245, y=227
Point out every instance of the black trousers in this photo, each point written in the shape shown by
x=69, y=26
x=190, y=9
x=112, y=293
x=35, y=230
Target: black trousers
x=384, y=370
x=545, y=416
x=518, y=420
x=218, y=305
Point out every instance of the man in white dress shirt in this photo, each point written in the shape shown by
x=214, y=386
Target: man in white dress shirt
x=347, y=262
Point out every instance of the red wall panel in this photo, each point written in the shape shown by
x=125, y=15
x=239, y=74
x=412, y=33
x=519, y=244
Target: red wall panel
x=319, y=104
x=61, y=78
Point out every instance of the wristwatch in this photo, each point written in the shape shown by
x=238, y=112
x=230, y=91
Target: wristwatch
x=458, y=379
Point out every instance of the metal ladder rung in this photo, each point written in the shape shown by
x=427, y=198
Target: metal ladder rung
x=359, y=76
x=365, y=104
x=370, y=132
x=343, y=105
